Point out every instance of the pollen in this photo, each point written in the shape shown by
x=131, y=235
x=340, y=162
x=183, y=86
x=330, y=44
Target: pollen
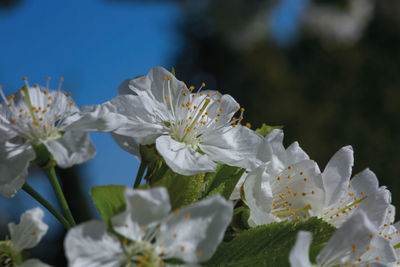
x=191, y=88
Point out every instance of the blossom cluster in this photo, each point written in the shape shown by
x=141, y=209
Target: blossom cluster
x=205, y=171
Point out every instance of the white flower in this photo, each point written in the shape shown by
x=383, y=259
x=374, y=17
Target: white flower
x=287, y=187
x=25, y=235
x=355, y=242
x=152, y=234
x=345, y=196
x=191, y=131
x=34, y=117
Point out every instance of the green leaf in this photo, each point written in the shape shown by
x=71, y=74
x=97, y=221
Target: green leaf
x=270, y=245
x=223, y=181
x=183, y=190
x=265, y=129
x=109, y=200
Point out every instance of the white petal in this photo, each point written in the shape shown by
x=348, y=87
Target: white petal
x=29, y=231
x=144, y=209
x=236, y=147
x=128, y=144
x=97, y=118
x=72, y=148
x=33, y=263
x=375, y=206
x=140, y=117
x=195, y=232
x=337, y=173
x=183, y=159
x=380, y=247
x=153, y=84
x=258, y=194
x=348, y=242
x=272, y=146
x=295, y=154
x=14, y=162
x=299, y=255
x=365, y=181
x=89, y=245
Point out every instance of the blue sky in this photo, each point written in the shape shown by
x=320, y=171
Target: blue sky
x=94, y=45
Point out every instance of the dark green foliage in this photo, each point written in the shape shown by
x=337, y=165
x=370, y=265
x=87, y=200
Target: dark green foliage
x=223, y=181
x=270, y=245
x=109, y=200
x=183, y=190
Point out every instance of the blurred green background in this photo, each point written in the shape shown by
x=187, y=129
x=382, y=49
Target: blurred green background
x=326, y=70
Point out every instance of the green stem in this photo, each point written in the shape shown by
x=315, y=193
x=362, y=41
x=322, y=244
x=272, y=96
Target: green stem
x=140, y=173
x=51, y=174
x=28, y=189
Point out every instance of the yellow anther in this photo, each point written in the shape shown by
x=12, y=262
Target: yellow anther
x=198, y=254
x=219, y=114
x=9, y=104
x=274, y=204
x=203, y=122
x=301, y=173
x=206, y=113
x=41, y=119
x=287, y=187
x=183, y=105
x=303, y=194
x=187, y=216
x=11, y=97
x=237, y=108
x=45, y=92
x=166, y=98
x=68, y=94
x=368, y=247
x=289, y=167
x=48, y=105
x=50, y=98
x=165, y=78
x=203, y=84
x=143, y=228
x=176, y=211
x=201, y=94
x=175, y=236
x=61, y=79
x=182, y=248
x=25, y=78
x=125, y=242
x=48, y=78
x=289, y=176
x=44, y=127
x=312, y=192
x=354, y=248
x=191, y=88
x=219, y=100
x=195, y=107
x=305, y=179
x=362, y=193
x=208, y=95
x=169, y=78
x=242, y=109
x=377, y=258
x=356, y=175
x=13, y=121
x=248, y=125
x=297, y=217
x=184, y=86
x=184, y=93
x=217, y=120
x=71, y=103
x=359, y=260
x=279, y=178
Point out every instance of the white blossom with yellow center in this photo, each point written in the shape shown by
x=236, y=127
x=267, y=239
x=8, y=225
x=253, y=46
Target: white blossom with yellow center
x=38, y=116
x=344, y=196
x=288, y=186
x=151, y=233
x=355, y=243
x=25, y=235
x=191, y=130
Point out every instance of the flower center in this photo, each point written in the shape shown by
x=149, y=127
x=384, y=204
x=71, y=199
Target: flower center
x=194, y=115
x=36, y=113
x=141, y=254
